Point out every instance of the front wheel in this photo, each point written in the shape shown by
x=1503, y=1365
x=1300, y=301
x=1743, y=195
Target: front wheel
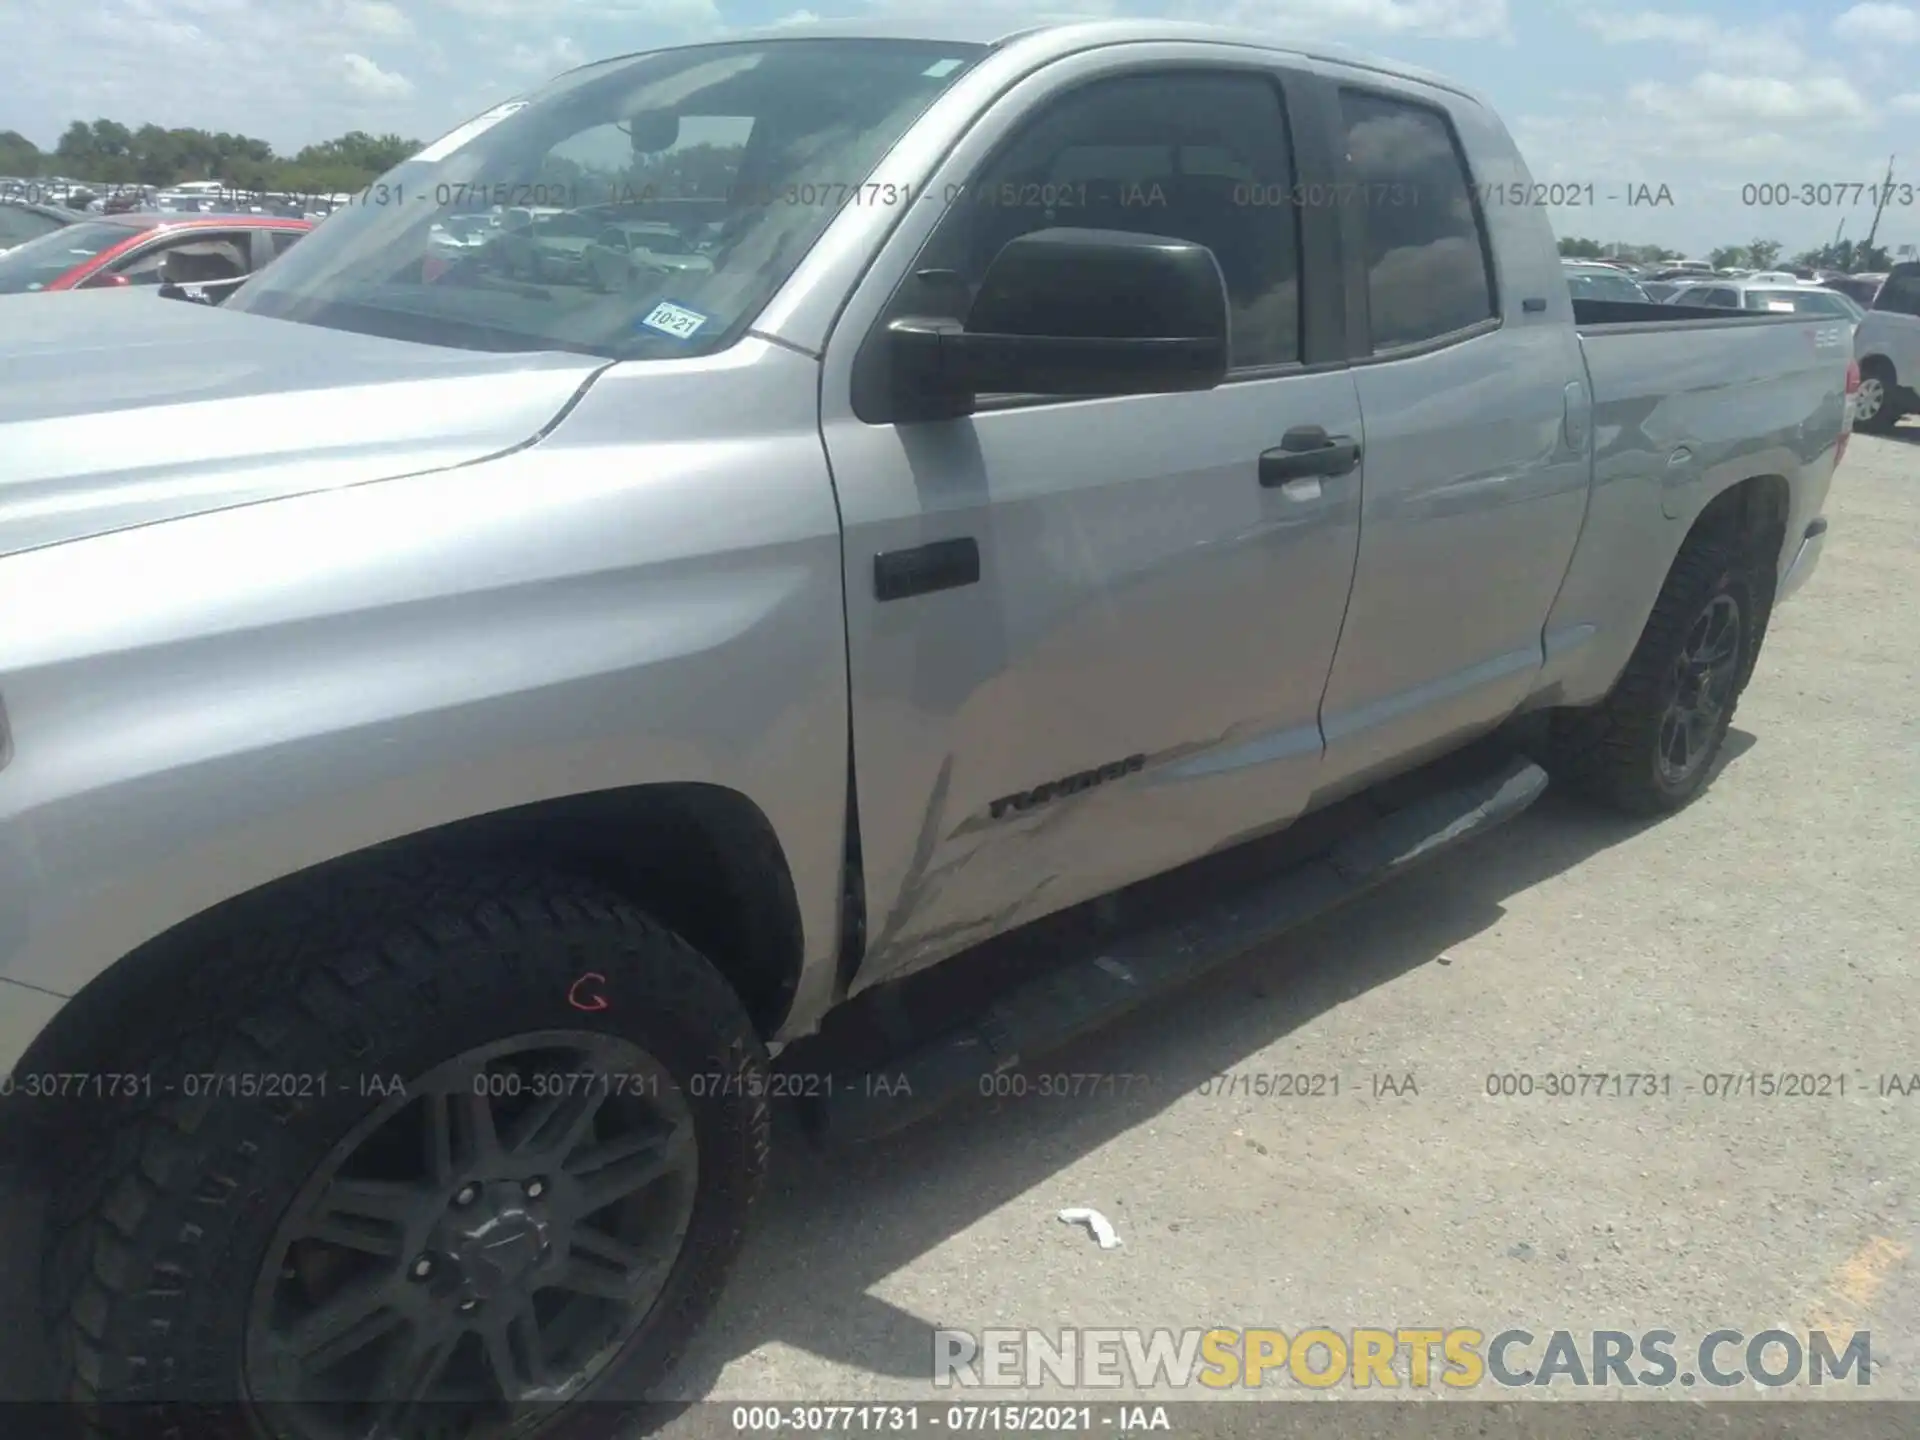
x=1650, y=746
x=493, y=1154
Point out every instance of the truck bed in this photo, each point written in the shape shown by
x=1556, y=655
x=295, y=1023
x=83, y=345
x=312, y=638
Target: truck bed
x=1687, y=400
x=1614, y=314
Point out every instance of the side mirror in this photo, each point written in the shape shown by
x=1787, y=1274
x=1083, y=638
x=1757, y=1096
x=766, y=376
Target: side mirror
x=652, y=131
x=1072, y=312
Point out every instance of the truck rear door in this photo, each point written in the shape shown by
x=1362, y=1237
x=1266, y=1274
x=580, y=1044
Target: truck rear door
x=1113, y=622
x=1473, y=393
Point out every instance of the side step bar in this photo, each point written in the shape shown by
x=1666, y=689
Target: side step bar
x=1074, y=999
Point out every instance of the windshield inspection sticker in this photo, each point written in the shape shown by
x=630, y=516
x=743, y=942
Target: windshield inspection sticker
x=674, y=320
x=473, y=129
x=940, y=69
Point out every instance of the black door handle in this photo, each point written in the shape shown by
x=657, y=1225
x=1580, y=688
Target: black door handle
x=1307, y=451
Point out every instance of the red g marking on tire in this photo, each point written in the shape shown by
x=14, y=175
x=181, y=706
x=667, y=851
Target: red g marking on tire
x=578, y=994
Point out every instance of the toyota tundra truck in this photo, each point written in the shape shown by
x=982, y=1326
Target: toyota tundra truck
x=471, y=743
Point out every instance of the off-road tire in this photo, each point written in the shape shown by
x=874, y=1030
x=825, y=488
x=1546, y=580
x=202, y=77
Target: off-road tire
x=1609, y=751
x=158, y=1227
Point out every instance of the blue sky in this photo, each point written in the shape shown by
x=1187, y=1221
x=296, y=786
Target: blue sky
x=1702, y=98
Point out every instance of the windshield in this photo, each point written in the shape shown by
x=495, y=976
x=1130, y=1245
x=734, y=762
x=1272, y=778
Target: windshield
x=19, y=224
x=38, y=263
x=752, y=147
x=1603, y=285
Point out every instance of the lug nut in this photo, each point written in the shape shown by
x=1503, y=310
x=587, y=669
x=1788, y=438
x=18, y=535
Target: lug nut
x=467, y=1195
x=423, y=1267
x=536, y=1188
x=469, y=1304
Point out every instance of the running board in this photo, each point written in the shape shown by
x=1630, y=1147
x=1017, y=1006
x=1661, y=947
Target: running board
x=1073, y=999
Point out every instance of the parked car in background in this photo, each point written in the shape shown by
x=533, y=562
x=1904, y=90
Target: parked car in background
x=1799, y=300
x=1887, y=345
x=1589, y=281
x=24, y=220
x=1861, y=288
x=525, y=242
x=642, y=250
x=1662, y=289
x=1750, y=294
x=462, y=234
x=110, y=251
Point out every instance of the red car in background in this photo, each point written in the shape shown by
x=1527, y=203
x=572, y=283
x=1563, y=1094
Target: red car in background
x=110, y=251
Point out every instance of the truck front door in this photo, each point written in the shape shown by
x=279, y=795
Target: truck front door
x=1102, y=643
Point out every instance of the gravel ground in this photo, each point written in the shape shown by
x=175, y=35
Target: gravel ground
x=1770, y=927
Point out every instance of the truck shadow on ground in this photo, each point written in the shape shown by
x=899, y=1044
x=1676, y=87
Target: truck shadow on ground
x=836, y=1223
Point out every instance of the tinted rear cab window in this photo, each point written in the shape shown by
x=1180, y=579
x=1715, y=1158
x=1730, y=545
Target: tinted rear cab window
x=1428, y=273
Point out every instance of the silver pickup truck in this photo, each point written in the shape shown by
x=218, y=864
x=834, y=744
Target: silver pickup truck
x=471, y=744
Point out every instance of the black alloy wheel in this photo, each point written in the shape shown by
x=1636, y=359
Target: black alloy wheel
x=1702, y=684
x=480, y=1248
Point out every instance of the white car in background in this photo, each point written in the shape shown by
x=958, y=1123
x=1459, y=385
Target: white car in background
x=1792, y=297
x=631, y=249
x=1887, y=345
x=1592, y=280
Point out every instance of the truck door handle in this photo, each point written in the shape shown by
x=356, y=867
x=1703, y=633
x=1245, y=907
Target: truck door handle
x=1307, y=452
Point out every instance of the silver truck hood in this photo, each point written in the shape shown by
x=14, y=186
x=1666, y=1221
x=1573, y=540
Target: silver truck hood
x=119, y=410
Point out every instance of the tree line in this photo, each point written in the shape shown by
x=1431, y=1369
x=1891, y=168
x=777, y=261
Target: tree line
x=106, y=152
x=1852, y=256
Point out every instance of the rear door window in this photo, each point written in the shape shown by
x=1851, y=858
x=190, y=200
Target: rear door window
x=1901, y=293
x=195, y=258
x=1428, y=271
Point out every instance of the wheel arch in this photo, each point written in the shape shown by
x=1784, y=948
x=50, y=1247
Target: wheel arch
x=1751, y=517
x=701, y=859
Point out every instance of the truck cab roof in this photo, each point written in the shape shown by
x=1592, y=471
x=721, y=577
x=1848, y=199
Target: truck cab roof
x=1066, y=37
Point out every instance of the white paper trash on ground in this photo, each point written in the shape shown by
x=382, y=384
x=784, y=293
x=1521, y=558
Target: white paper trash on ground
x=1097, y=1225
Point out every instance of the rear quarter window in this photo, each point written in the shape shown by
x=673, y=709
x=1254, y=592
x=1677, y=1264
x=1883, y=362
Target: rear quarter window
x=1428, y=271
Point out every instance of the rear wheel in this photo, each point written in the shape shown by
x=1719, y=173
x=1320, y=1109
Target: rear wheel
x=1650, y=746
x=1876, y=404
x=440, y=1189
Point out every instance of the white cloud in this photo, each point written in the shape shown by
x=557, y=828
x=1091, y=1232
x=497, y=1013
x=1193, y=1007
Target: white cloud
x=798, y=17
x=378, y=18
x=671, y=14
x=1765, y=47
x=559, y=53
x=366, y=77
x=1877, y=24
x=1353, y=20
x=1908, y=104
x=1713, y=98
x=1356, y=20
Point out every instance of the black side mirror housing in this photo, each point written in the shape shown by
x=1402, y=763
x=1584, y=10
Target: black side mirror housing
x=1073, y=313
